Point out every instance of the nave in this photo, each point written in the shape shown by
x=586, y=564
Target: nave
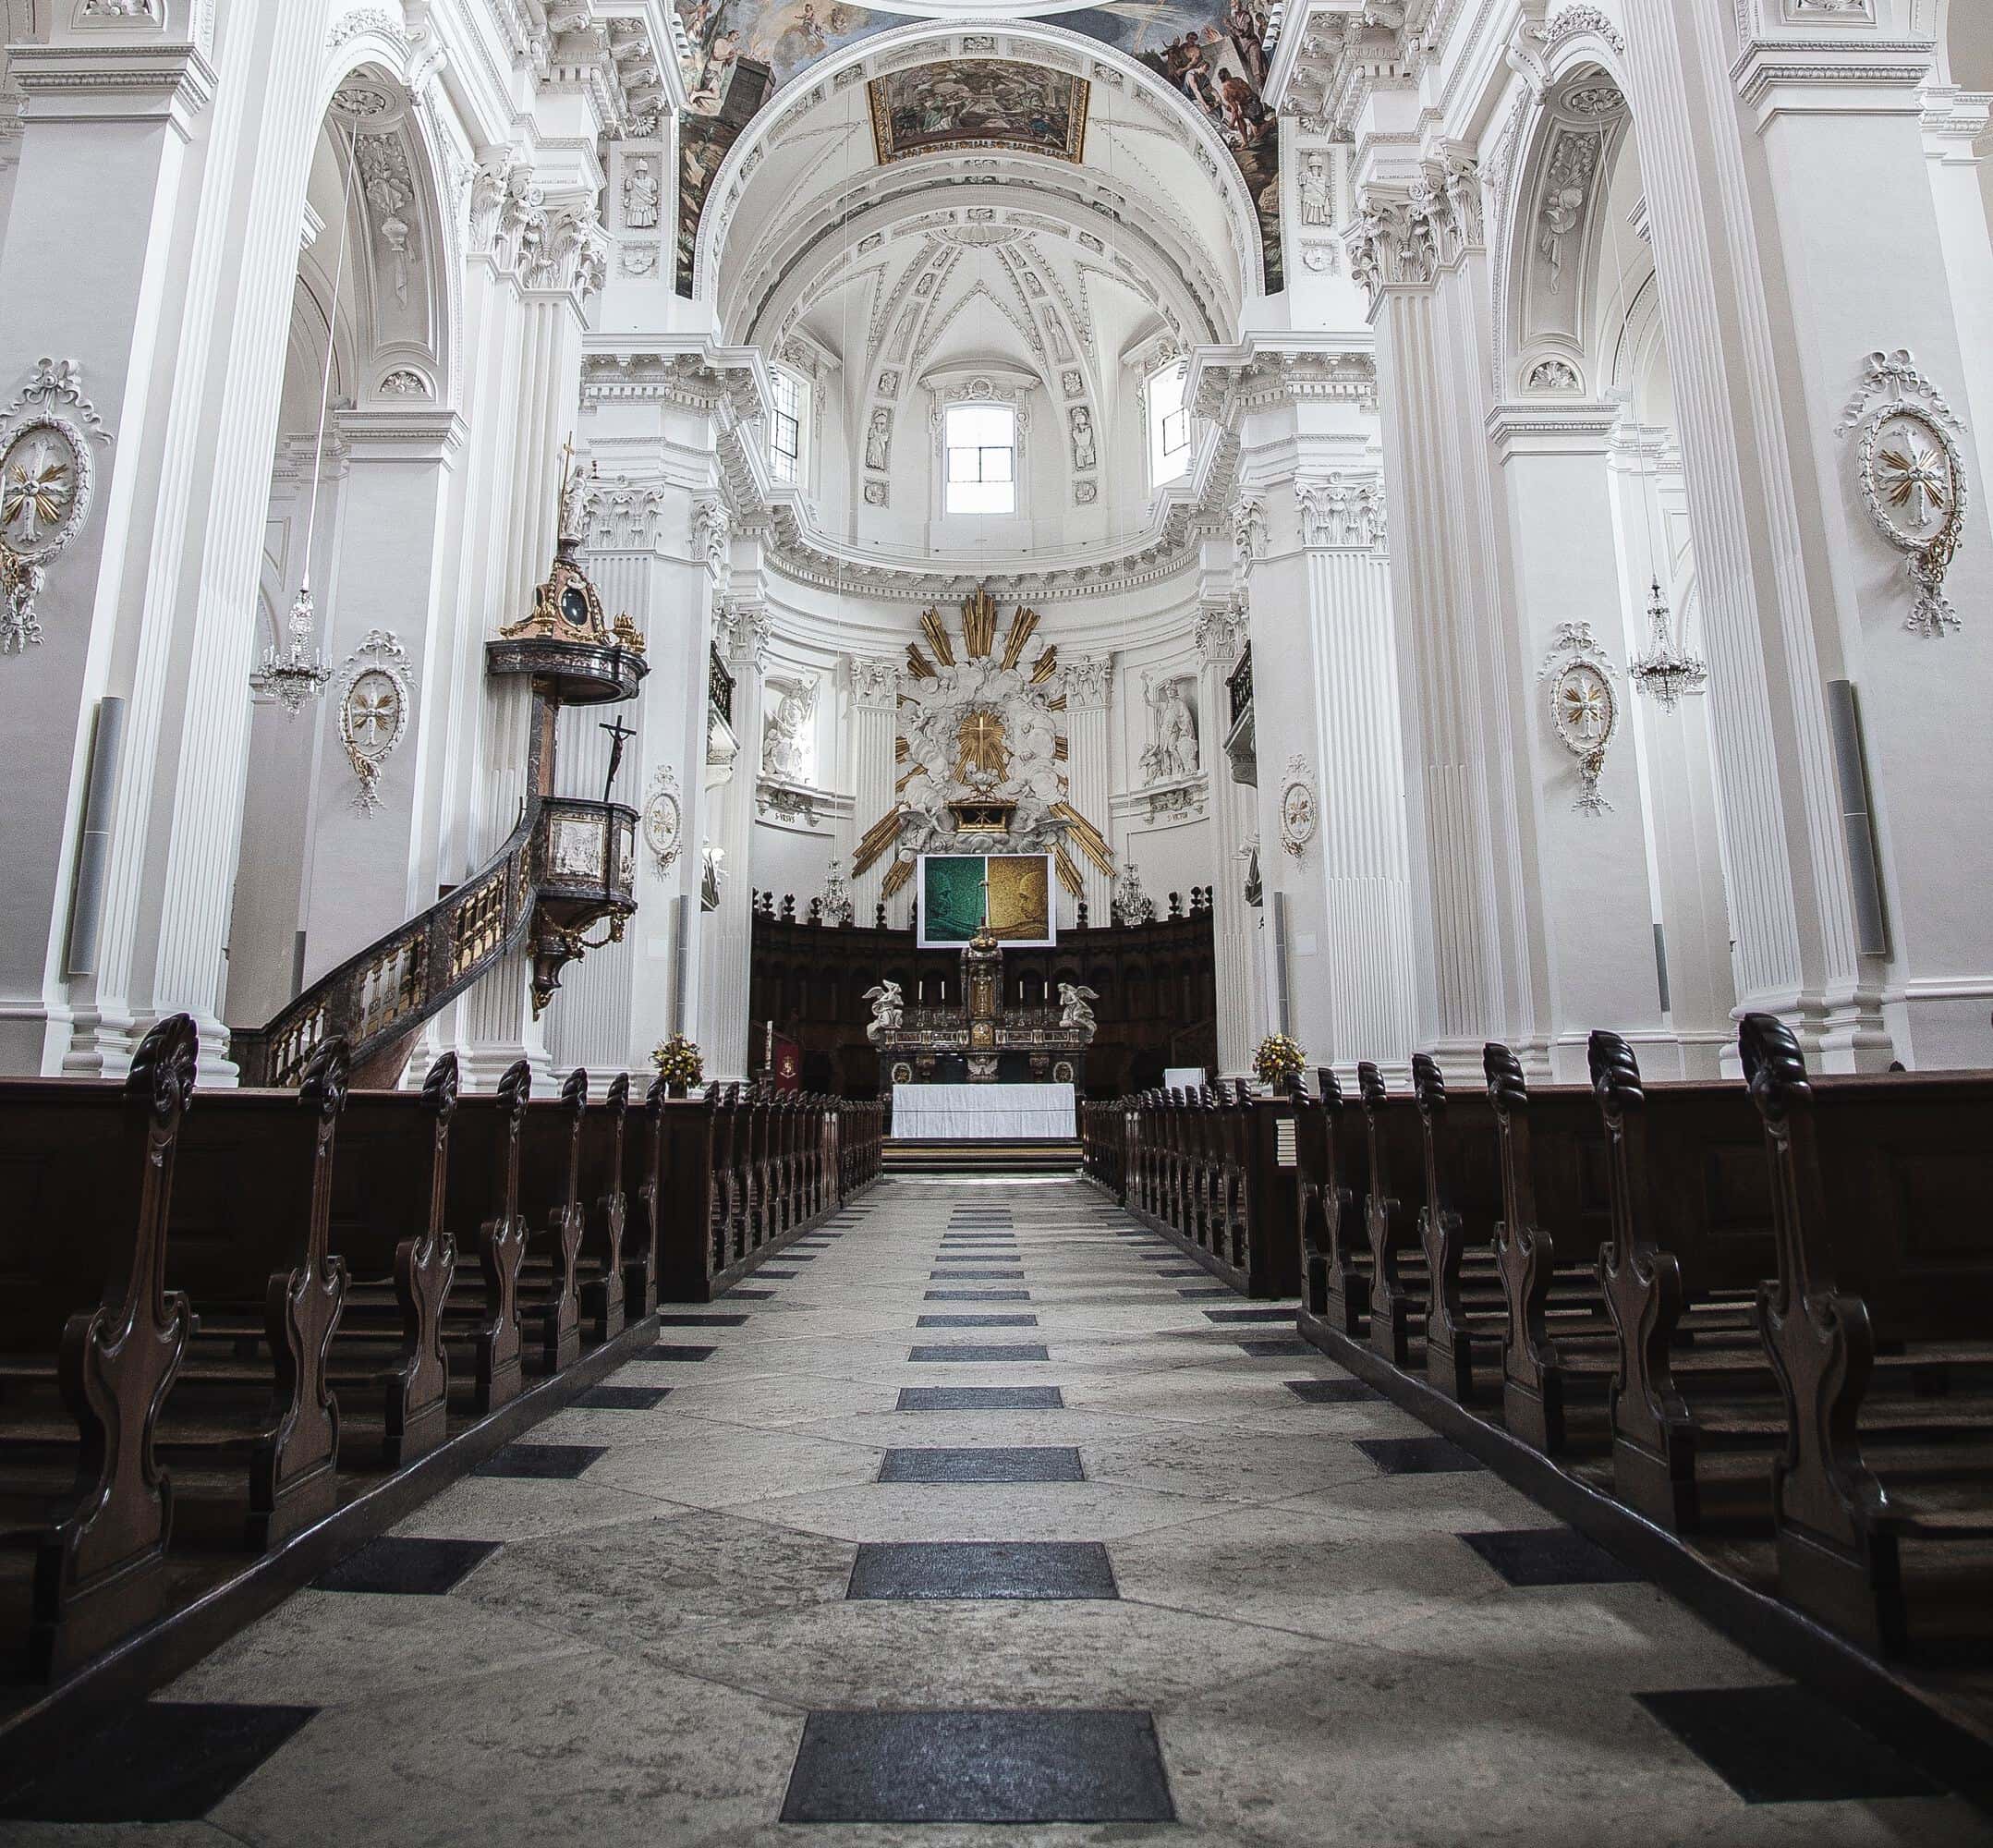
x=982, y=1515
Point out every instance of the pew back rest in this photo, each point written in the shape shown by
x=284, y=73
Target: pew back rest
x=1906, y=1181
x=1463, y=1151
x=72, y=1172
x=390, y=1149
x=481, y=1167
x=1570, y=1170
x=243, y=1188
x=1708, y=1193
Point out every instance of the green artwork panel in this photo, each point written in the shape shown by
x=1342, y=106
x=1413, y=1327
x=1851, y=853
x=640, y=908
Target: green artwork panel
x=951, y=910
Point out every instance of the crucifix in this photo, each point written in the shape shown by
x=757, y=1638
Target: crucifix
x=620, y=735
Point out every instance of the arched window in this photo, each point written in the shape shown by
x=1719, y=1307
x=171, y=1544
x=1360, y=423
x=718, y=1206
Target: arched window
x=788, y=402
x=1169, y=424
x=980, y=442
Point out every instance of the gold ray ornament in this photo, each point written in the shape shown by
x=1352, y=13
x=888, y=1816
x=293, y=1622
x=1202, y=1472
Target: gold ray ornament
x=936, y=632
x=917, y=665
x=1068, y=873
x=900, y=747
x=1021, y=625
x=978, y=623
x=902, y=871
x=880, y=836
x=1061, y=748
x=1045, y=666
x=1092, y=842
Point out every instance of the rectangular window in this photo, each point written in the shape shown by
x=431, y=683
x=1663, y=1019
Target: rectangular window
x=785, y=427
x=1168, y=425
x=982, y=444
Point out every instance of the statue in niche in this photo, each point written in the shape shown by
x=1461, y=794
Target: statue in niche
x=889, y=1006
x=1083, y=449
x=785, y=754
x=641, y=197
x=878, y=441
x=1318, y=192
x=1173, y=750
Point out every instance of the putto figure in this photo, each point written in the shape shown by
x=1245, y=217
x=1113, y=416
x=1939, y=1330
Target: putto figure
x=888, y=1010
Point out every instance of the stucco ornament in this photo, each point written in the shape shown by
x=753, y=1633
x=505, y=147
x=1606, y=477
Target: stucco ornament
x=1585, y=710
x=47, y=482
x=1299, y=815
x=1911, y=476
x=374, y=698
x=663, y=818
x=1076, y=1005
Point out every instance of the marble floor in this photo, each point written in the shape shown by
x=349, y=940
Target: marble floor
x=982, y=1517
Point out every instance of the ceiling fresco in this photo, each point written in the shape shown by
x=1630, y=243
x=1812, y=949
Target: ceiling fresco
x=1212, y=52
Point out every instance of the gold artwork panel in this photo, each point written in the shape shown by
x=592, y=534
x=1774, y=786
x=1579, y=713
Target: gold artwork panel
x=1020, y=898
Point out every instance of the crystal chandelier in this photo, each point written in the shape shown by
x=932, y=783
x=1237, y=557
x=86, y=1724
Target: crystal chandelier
x=1665, y=670
x=296, y=671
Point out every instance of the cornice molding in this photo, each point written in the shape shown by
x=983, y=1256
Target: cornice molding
x=112, y=83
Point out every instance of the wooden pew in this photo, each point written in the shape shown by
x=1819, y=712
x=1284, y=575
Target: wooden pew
x=549, y=1201
x=481, y=1319
x=90, y=1340
x=252, y=1416
x=1883, y=1506
x=643, y=1183
x=390, y=1227
x=1394, y=1149
x=608, y=1208
x=1311, y=1199
x=1555, y=1214
x=1346, y=1273
x=1466, y=1324
x=1695, y=1409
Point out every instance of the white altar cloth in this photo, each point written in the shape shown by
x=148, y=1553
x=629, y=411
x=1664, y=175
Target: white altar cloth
x=982, y=1112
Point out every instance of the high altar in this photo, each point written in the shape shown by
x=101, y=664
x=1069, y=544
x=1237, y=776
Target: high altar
x=988, y=1041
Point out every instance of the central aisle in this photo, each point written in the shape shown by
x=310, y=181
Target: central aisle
x=982, y=1502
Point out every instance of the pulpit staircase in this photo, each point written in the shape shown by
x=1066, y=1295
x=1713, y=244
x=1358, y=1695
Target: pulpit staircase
x=568, y=864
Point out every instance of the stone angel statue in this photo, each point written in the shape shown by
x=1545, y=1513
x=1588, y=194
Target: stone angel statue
x=1074, y=1009
x=888, y=1007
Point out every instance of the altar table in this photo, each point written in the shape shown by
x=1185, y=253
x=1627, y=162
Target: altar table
x=982, y=1112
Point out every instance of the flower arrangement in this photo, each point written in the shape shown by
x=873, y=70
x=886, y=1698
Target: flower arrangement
x=1279, y=1062
x=678, y=1063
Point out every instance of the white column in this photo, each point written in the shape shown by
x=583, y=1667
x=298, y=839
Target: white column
x=873, y=772
x=1088, y=681
x=1236, y=925
x=1462, y=694
x=723, y=987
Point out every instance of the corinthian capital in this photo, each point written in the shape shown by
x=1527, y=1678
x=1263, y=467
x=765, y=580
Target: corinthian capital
x=1088, y=679
x=1406, y=236
x=875, y=683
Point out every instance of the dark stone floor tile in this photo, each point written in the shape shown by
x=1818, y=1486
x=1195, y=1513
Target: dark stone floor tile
x=1045, y=1765
x=1286, y=1316
x=1206, y=1293
x=161, y=1761
x=674, y=1318
x=414, y=1568
x=668, y=1350
x=542, y=1462
x=1332, y=1391
x=1156, y=1256
x=1036, y=1463
x=978, y=1297
x=980, y=1398
x=1784, y=1744
x=983, y=1354
x=1277, y=1348
x=1418, y=1457
x=975, y=1276
x=1036, y=1569
x=977, y=1323
x=1551, y=1556
x=624, y=1398
x=750, y=1295
x=1189, y=1270
x=778, y=1276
